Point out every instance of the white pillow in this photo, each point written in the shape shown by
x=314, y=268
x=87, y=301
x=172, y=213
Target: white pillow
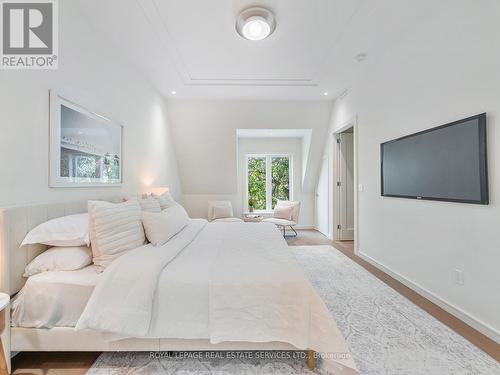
x=222, y=212
x=72, y=230
x=160, y=227
x=283, y=212
x=166, y=200
x=60, y=259
x=115, y=228
x=150, y=204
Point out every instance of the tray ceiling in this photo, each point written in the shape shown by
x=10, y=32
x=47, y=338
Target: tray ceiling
x=191, y=46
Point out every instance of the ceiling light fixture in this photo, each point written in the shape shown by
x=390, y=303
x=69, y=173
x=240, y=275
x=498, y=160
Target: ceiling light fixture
x=325, y=93
x=174, y=92
x=255, y=23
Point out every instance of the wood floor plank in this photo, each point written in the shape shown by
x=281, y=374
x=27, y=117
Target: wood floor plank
x=53, y=363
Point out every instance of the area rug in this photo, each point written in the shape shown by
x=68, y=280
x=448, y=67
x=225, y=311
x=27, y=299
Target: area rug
x=386, y=333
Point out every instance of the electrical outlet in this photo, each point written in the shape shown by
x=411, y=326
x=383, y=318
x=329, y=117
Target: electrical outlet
x=459, y=277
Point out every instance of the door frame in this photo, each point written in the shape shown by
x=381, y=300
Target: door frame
x=352, y=123
x=329, y=234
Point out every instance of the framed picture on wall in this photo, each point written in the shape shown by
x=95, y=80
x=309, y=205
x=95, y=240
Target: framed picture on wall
x=85, y=147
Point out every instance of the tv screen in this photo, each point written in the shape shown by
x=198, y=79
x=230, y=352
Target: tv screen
x=446, y=163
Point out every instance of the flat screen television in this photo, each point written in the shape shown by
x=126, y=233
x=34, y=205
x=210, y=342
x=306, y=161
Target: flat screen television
x=445, y=163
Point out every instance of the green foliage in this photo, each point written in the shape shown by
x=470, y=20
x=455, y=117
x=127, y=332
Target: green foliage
x=280, y=179
x=280, y=184
x=257, y=182
x=251, y=202
x=89, y=166
x=111, y=166
x=86, y=166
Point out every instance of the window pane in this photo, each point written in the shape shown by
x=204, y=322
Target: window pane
x=280, y=183
x=257, y=183
x=111, y=166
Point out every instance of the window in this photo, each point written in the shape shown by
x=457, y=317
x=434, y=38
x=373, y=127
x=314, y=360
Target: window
x=84, y=165
x=268, y=180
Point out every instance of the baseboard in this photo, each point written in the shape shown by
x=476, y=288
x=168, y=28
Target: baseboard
x=475, y=323
x=329, y=235
x=304, y=227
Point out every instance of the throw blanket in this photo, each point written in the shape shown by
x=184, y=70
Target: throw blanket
x=257, y=292
x=122, y=301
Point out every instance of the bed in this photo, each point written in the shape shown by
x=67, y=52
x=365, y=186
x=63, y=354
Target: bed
x=214, y=286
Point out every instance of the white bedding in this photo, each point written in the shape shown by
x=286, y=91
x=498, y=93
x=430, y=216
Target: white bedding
x=54, y=298
x=222, y=282
x=122, y=301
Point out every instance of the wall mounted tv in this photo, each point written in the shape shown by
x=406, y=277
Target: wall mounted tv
x=446, y=163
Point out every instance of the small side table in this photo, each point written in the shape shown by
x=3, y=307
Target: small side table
x=252, y=218
x=4, y=304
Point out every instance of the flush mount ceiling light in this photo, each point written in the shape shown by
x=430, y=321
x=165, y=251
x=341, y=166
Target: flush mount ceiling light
x=255, y=23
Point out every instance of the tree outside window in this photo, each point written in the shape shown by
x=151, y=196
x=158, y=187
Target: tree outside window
x=257, y=182
x=268, y=180
x=280, y=181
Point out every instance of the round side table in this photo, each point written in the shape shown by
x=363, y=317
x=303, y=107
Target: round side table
x=252, y=218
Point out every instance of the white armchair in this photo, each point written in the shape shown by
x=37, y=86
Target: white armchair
x=286, y=214
x=221, y=211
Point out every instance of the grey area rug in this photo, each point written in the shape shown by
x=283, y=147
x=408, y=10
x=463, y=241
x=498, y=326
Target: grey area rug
x=386, y=333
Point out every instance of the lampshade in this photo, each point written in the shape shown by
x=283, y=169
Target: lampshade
x=159, y=190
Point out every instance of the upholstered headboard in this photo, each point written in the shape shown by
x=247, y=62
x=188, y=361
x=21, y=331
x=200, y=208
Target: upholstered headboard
x=15, y=223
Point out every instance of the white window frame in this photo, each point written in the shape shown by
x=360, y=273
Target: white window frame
x=269, y=190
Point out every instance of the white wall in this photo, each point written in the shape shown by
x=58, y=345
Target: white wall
x=197, y=205
x=444, y=69
x=206, y=144
x=91, y=73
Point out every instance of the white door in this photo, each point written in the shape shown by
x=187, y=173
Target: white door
x=345, y=187
x=322, y=199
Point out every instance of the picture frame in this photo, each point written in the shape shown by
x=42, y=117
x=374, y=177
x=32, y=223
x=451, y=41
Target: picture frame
x=85, y=147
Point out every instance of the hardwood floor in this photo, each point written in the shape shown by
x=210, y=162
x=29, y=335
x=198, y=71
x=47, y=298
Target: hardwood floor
x=312, y=237
x=53, y=363
x=77, y=363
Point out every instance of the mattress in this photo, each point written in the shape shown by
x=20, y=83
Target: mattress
x=54, y=298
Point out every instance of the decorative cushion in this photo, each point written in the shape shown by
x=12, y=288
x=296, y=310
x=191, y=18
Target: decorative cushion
x=283, y=212
x=72, y=230
x=115, y=228
x=213, y=204
x=277, y=221
x=60, y=259
x=295, y=210
x=160, y=227
x=221, y=212
x=150, y=204
x=166, y=200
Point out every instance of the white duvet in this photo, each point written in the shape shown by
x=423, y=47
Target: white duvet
x=218, y=281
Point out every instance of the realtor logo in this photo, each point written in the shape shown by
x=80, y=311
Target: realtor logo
x=29, y=34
